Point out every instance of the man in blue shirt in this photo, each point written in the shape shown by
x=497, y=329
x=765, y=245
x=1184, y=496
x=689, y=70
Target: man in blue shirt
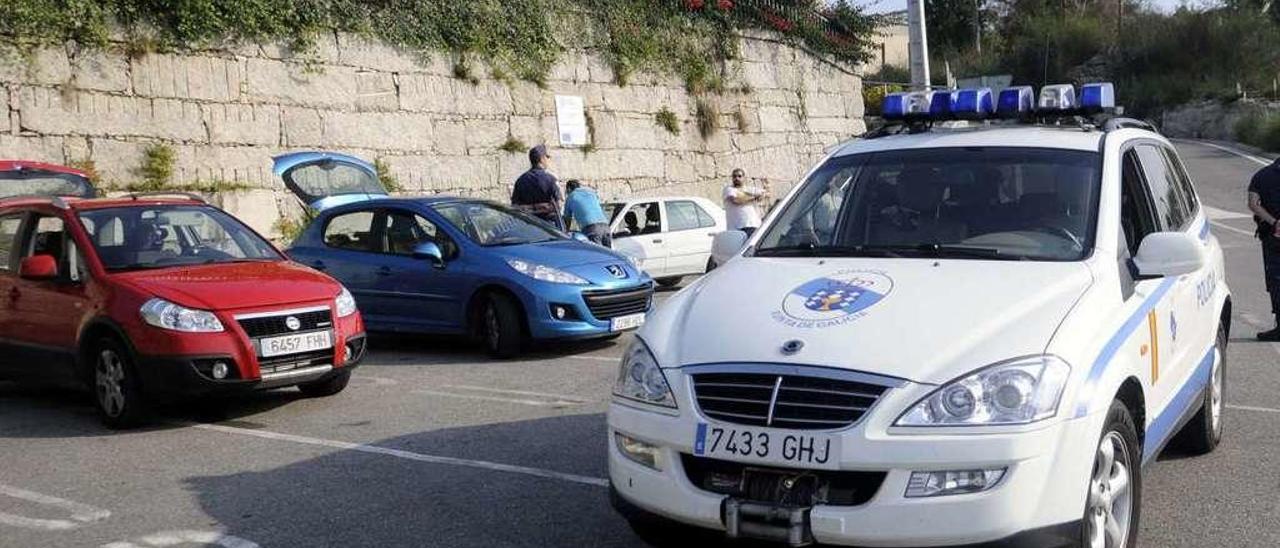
x=536, y=190
x=583, y=204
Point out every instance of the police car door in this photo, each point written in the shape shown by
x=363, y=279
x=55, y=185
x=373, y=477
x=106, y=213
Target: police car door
x=1174, y=329
x=1141, y=215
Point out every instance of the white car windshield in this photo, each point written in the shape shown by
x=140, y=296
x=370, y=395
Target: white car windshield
x=133, y=238
x=974, y=202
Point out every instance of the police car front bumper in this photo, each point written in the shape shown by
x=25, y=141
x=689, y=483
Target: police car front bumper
x=1041, y=496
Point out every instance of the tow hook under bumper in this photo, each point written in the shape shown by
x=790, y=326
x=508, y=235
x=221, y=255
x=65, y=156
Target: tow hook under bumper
x=743, y=519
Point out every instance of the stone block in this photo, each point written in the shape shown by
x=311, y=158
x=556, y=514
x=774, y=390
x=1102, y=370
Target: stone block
x=759, y=76
x=302, y=127
x=243, y=124
x=437, y=173
x=43, y=66
x=484, y=136
x=357, y=51
x=778, y=119
x=486, y=98
x=117, y=160
x=100, y=70
x=376, y=91
x=378, y=130
x=32, y=147
x=818, y=105
x=244, y=164
x=528, y=129
x=257, y=207
x=647, y=99
x=89, y=113
x=272, y=81
x=527, y=99
x=680, y=167
x=450, y=137
x=188, y=76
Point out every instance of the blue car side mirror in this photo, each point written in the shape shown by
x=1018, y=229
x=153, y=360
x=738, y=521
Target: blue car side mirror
x=429, y=251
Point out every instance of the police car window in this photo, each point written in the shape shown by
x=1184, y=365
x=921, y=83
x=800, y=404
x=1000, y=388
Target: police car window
x=1179, y=174
x=1136, y=216
x=1168, y=201
x=9, y=226
x=987, y=202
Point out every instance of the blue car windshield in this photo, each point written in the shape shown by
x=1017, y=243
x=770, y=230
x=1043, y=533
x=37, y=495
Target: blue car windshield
x=489, y=224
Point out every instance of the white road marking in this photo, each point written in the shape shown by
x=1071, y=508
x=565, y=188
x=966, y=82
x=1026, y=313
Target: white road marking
x=595, y=358
x=175, y=538
x=1252, y=408
x=536, y=403
x=409, y=455
x=561, y=397
x=1229, y=150
x=1230, y=228
x=81, y=513
x=1216, y=214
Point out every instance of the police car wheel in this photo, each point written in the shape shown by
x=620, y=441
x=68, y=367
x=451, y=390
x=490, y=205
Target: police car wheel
x=670, y=282
x=500, y=327
x=1114, y=498
x=1204, y=431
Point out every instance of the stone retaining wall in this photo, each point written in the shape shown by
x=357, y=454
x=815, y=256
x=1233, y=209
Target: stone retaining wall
x=226, y=112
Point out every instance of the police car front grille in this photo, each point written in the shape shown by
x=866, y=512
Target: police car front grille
x=784, y=401
x=606, y=305
x=266, y=326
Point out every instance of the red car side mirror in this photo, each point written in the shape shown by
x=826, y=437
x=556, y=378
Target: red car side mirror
x=38, y=267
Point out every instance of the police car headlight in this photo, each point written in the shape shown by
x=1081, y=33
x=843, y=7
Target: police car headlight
x=344, y=304
x=167, y=315
x=1019, y=391
x=640, y=378
x=545, y=273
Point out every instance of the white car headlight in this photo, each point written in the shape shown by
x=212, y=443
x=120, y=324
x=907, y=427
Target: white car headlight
x=640, y=378
x=545, y=273
x=1019, y=391
x=344, y=304
x=166, y=315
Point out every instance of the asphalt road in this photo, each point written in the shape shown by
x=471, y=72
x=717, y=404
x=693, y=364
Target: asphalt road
x=435, y=445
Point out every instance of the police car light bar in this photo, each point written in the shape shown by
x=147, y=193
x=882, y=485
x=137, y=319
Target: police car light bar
x=1016, y=102
x=903, y=105
x=940, y=104
x=973, y=104
x=1057, y=97
x=1099, y=97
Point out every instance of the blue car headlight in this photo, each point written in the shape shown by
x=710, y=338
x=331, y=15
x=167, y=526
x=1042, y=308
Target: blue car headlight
x=545, y=273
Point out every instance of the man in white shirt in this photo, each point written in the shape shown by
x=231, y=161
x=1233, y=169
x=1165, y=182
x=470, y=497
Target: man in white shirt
x=740, y=203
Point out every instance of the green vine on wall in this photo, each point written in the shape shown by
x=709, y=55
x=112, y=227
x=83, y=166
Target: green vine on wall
x=691, y=39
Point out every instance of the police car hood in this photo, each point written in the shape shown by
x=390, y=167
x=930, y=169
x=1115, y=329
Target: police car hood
x=924, y=320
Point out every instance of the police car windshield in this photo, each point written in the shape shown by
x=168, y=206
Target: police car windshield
x=966, y=203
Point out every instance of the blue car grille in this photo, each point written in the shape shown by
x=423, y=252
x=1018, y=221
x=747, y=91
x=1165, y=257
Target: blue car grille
x=783, y=401
x=608, y=304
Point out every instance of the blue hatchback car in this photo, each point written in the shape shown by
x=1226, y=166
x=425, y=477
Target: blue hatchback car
x=457, y=265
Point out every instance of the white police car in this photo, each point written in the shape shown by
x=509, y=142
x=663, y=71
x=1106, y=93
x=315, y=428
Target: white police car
x=942, y=337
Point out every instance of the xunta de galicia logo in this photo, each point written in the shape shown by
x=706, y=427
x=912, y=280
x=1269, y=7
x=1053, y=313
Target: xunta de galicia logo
x=835, y=299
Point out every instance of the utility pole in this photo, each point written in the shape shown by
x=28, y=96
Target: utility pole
x=977, y=26
x=918, y=45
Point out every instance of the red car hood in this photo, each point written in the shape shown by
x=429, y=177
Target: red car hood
x=232, y=286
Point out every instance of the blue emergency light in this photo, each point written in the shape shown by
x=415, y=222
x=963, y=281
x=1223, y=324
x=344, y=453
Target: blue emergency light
x=973, y=104
x=1057, y=97
x=1015, y=102
x=1098, y=97
x=940, y=104
x=902, y=105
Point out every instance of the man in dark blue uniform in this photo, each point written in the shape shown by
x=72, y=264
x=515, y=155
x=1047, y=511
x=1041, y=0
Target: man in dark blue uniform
x=1264, y=202
x=536, y=191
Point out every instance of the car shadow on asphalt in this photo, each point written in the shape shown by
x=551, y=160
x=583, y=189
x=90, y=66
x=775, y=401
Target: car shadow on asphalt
x=368, y=498
x=400, y=349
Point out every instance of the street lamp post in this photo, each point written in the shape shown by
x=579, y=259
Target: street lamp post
x=918, y=44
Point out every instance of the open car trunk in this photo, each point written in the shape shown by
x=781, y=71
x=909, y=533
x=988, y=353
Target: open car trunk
x=322, y=180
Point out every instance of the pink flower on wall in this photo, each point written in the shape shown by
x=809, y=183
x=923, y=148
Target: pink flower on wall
x=724, y=5
x=694, y=5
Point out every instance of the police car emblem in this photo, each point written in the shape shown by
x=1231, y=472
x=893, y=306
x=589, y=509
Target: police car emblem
x=835, y=299
x=616, y=270
x=293, y=323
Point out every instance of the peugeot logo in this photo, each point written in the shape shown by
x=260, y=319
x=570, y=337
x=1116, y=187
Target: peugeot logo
x=293, y=323
x=792, y=346
x=616, y=270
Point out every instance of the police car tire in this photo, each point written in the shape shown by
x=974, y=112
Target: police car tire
x=711, y=264
x=504, y=339
x=1120, y=421
x=1199, y=436
x=670, y=282
x=328, y=387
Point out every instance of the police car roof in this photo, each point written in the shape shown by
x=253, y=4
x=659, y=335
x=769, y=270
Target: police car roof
x=1031, y=136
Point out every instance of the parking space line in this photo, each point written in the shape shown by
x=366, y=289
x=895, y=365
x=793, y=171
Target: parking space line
x=560, y=397
x=557, y=403
x=82, y=513
x=595, y=358
x=1252, y=408
x=408, y=455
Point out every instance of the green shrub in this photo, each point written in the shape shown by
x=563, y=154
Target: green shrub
x=1248, y=130
x=388, y=179
x=707, y=115
x=513, y=145
x=667, y=120
x=156, y=169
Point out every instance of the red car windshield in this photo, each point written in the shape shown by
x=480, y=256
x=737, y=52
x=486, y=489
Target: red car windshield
x=131, y=238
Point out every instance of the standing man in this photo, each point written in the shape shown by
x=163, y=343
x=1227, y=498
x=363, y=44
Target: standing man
x=1264, y=202
x=536, y=190
x=583, y=204
x=740, y=203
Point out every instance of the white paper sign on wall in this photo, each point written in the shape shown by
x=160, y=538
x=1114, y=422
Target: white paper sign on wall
x=571, y=115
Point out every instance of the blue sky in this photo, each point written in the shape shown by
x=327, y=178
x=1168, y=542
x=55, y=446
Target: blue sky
x=897, y=5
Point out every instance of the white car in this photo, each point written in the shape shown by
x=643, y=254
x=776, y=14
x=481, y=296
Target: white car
x=943, y=337
x=670, y=237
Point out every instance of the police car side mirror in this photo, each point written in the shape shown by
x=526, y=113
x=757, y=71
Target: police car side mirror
x=728, y=243
x=1164, y=254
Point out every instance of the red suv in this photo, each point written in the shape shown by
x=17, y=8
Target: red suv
x=148, y=297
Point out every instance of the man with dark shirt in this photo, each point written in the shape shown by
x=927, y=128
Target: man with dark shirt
x=1264, y=202
x=536, y=190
